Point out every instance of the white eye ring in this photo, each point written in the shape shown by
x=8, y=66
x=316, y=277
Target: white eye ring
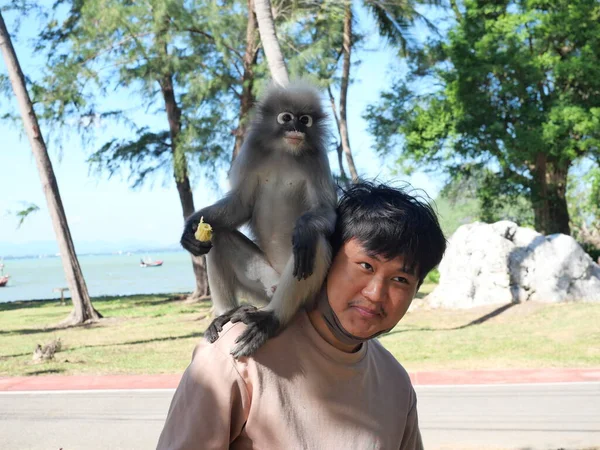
x=309, y=120
x=281, y=118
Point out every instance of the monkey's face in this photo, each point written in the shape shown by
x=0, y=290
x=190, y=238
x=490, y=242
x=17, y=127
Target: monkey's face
x=291, y=119
x=294, y=130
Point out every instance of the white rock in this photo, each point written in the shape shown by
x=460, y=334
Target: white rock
x=501, y=263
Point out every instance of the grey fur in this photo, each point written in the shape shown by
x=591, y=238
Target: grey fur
x=273, y=185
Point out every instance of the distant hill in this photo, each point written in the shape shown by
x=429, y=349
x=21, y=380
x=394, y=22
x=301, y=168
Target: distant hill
x=35, y=248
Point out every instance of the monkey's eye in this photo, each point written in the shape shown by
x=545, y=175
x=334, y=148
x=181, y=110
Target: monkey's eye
x=306, y=120
x=285, y=117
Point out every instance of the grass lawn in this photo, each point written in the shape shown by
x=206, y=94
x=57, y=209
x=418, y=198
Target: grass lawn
x=157, y=333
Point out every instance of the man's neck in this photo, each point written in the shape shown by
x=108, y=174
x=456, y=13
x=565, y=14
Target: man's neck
x=317, y=321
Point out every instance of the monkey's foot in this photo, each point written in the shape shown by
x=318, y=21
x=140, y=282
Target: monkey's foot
x=216, y=326
x=262, y=325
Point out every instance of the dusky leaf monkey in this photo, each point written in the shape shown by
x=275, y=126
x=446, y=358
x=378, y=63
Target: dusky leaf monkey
x=282, y=188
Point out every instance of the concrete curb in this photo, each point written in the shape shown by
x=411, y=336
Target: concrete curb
x=424, y=378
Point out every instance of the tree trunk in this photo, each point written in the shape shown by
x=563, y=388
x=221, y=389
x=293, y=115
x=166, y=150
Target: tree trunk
x=347, y=48
x=247, y=100
x=268, y=37
x=83, y=311
x=548, y=192
x=182, y=181
x=340, y=152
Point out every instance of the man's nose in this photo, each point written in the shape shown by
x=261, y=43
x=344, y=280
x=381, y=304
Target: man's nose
x=374, y=290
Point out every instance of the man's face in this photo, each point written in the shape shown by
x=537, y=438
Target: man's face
x=368, y=293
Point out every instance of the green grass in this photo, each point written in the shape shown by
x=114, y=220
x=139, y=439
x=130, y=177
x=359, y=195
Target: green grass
x=139, y=334
x=156, y=334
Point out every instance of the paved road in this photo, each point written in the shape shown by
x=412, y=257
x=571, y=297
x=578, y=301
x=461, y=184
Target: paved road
x=534, y=416
x=528, y=416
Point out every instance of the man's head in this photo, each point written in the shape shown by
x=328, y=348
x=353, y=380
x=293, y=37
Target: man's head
x=385, y=242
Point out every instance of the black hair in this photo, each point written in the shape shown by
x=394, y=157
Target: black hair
x=390, y=222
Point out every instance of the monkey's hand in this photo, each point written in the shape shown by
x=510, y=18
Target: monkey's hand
x=262, y=325
x=304, y=245
x=189, y=241
x=216, y=326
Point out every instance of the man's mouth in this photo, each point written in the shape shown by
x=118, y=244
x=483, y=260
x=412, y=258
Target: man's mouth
x=367, y=312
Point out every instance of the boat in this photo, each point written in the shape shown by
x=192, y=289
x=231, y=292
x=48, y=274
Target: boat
x=147, y=262
x=3, y=278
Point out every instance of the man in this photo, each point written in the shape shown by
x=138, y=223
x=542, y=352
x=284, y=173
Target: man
x=324, y=382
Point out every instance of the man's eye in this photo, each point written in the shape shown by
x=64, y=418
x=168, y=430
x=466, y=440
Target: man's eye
x=366, y=266
x=402, y=280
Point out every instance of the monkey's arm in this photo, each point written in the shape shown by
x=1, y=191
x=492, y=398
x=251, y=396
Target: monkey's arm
x=309, y=227
x=289, y=296
x=228, y=213
x=318, y=221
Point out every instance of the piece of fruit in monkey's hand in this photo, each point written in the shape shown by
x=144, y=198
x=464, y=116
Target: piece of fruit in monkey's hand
x=204, y=231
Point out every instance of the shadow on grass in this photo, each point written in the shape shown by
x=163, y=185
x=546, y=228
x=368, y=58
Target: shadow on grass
x=86, y=325
x=139, y=299
x=45, y=372
x=408, y=330
x=142, y=341
x=15, y=355
x=478, y=321
x=118, y=344
x=32, y=330
x=198, y=334
x=26, y=304
x=486, y=317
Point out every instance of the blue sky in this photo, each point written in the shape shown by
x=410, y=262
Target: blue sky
x=109, y=211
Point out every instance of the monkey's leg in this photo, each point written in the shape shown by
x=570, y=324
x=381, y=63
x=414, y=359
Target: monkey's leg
x=290, y=295
x=236, y=263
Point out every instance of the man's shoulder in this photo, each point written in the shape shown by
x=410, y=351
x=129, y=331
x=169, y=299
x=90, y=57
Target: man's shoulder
x=226, y=342
x=388, y=362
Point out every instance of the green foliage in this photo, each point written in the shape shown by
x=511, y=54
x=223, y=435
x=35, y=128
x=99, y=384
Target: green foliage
x=161, y=56
x=26, y=212
x=395, y=19
x=584, y=206
x=311, y=34
x=514, y=88
x=139, y=50
x=432, y=277
x=453, y=214
x=477, y=194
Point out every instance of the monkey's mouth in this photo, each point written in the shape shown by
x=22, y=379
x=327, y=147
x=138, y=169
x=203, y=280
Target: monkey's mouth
x=294, y=138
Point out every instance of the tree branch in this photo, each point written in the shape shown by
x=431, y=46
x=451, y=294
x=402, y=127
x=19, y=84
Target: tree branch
x=211, y=37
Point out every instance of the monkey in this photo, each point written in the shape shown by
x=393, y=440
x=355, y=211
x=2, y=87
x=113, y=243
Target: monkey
x=283, y=190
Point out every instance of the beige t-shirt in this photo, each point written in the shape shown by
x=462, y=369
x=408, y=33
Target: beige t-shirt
x=296, y=392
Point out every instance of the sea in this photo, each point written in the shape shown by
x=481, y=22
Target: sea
x=118, y=274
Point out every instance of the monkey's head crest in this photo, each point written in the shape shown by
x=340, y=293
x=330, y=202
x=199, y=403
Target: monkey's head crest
x=291, y=118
